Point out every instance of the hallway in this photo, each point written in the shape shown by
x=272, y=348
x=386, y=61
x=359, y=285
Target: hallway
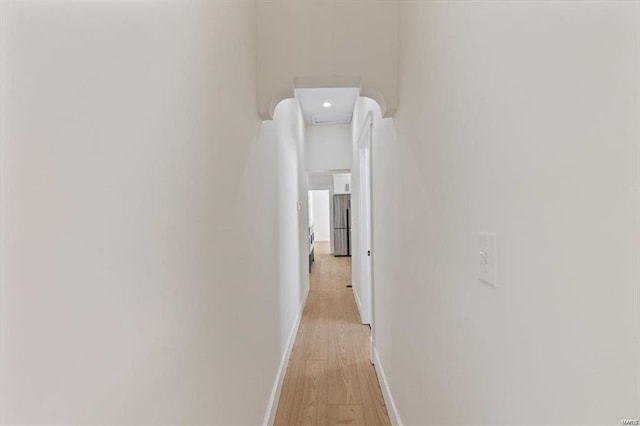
x=169, y=168
x=330, y=380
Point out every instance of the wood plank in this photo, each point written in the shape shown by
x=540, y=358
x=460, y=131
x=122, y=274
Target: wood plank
x=375, y=411
x=349, y=415
x=343, y=378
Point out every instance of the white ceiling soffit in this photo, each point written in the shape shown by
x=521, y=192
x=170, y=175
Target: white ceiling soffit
x=327, y=105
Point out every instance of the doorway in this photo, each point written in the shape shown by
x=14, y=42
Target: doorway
x=319, y=220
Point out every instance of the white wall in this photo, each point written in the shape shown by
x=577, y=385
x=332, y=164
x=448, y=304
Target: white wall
x=519, y=118
x=320, y=205
x=310, y=207
x=293, y=223
x=328, y=147
x=137, y=283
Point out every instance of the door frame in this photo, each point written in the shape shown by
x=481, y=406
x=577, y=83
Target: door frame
x=330, y=189
x=365, y=202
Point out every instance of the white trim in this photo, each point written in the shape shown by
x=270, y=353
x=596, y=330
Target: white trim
x=272, y=406
x=358, y=304
x=392, y=410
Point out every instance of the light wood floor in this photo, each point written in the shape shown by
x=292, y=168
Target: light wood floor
x=330, y=380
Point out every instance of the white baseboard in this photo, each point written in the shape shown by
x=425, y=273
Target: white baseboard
x=358, y=304
x=394, y=416
x=272, y=406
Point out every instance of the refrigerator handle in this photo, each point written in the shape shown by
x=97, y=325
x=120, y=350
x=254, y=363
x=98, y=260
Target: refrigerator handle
x=348, y=234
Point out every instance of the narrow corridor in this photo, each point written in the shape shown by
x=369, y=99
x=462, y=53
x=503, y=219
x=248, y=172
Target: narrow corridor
x=330, y=380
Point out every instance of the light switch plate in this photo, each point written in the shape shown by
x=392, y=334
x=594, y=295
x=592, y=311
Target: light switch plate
x=488, y=258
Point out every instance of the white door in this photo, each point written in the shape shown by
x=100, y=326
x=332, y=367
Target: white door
x=366, y=245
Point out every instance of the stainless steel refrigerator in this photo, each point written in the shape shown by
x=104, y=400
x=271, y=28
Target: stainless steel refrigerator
x=342, y=225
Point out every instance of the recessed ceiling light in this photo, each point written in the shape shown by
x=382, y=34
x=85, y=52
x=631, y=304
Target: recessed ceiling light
x=327, y=104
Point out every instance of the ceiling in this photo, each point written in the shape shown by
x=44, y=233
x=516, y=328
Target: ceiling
x=326, y=43
x=314, y=104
